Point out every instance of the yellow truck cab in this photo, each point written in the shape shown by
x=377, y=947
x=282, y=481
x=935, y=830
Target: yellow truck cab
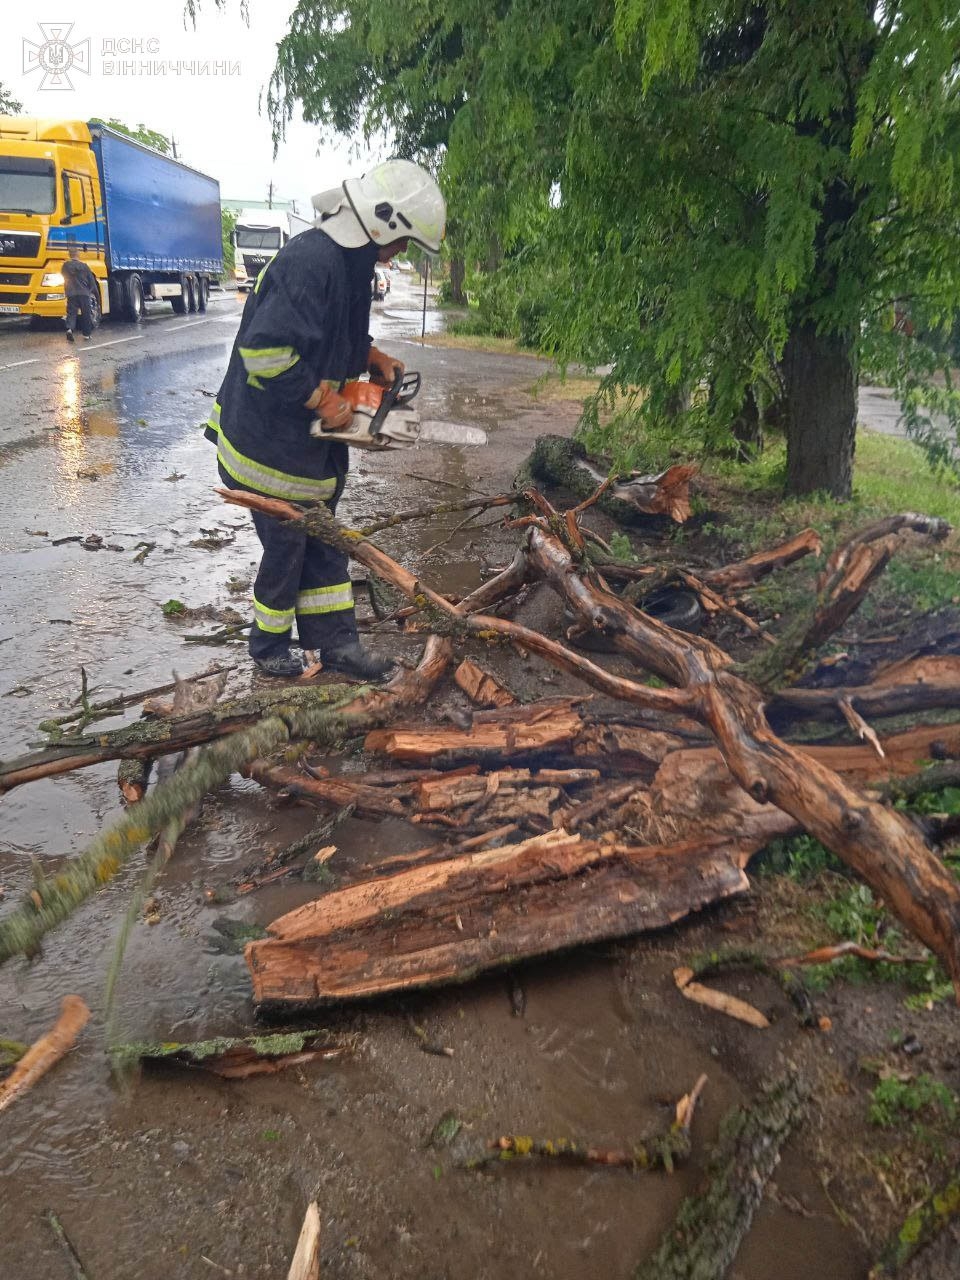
x=49, y=200
x=147, y=226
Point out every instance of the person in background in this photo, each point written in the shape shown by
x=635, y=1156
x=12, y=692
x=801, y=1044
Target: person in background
x=79, y=284
x=303, y=333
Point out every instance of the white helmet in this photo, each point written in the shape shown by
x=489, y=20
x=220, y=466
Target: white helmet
x=394, y=201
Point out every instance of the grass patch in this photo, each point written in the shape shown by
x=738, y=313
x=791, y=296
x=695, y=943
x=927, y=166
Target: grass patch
x=477, y=342
x=895, y=1100
x=553, y=388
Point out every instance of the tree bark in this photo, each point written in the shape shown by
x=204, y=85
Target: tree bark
x=821, y=383
x=458, y=276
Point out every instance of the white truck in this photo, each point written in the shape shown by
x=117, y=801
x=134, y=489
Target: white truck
x=257, y=238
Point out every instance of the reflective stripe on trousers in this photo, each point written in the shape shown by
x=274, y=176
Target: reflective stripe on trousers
x=325, y=599
x=276, y=621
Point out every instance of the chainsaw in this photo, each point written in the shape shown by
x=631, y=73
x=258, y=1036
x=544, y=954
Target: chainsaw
x=382, y=416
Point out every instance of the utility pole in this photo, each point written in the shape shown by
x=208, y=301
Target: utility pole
x=173, y=144
x=270, y=195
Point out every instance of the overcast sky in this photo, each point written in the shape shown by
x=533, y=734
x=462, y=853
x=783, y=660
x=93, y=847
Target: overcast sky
x=214, y=118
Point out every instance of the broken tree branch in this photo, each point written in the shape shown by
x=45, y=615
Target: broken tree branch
x=664, y=1151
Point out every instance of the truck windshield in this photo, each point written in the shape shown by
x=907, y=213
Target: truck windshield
x=27, y=185
x=258, y=237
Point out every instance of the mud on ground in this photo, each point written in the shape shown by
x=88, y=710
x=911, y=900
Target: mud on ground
x=177, y=1173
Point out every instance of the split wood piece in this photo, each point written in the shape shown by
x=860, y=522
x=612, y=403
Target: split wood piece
x=440, y=852
x=847, y=577
x=747, y=573
x=46, y=1052
x=237, y=1059
x=454, y=793
x=306, y=1257
x=337, y=793
x=860, y=727
x=562, y=731
x=933, y=1215
x=664, y=1151
x=719, y=962
x=599, y=802
x=703, y=1241
x=880, y=845
x=482, y=687
x=719, y=1000
x=563, y=462
x=447, y=921
x=539, y=734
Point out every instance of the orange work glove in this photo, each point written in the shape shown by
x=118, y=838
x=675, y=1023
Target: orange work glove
x=330, y=407
x=383, y=368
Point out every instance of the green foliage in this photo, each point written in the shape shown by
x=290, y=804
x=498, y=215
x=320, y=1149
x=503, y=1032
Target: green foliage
x=149, y=137
x=172, y=608
x=894, y=1100
x=684, y=184
x=622, y=547
x=802, y=858
x=228, y=221
x=9, y=105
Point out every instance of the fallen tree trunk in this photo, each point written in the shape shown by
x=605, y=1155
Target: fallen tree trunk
x=880, y=845
x=445, y=921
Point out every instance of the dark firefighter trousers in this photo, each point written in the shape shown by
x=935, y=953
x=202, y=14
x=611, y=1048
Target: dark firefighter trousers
x=304, y=580
x=80, y=304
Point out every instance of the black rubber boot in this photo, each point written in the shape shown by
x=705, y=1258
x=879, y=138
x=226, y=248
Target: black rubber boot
x=354, y=660
x=282, y=665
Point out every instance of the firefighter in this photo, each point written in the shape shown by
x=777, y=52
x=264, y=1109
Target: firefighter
x=80, y=284
x=303, y=333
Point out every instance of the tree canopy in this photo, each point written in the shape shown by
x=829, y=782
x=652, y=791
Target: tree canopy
x=738, y=205
x=149, y=137
x=9, y=105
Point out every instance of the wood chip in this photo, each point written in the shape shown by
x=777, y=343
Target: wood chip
x=718, y=1000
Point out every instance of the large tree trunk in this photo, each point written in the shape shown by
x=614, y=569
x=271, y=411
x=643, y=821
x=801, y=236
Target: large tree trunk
x=821, y=384
x=458, y=275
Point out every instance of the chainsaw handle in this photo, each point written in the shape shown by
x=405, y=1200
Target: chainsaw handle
x=397, y=393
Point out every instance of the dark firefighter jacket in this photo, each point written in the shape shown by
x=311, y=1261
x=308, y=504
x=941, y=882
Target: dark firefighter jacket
x=306, y=321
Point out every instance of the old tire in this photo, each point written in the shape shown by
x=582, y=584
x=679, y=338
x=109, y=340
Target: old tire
x=673, y=606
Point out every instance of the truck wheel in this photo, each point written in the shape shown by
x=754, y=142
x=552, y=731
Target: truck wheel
x=191, y=294
x=179, y=304
x=133, y=299
x=96, y=311
x=203, y=293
